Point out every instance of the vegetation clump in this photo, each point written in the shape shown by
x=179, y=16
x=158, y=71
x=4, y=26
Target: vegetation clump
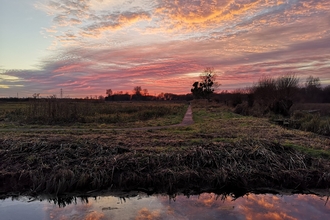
x=312, y=122
x=64, y=167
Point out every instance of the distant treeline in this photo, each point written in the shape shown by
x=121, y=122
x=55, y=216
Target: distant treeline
x=276, y=95
x=115, y=97
x=265, y=92
x=138, y=97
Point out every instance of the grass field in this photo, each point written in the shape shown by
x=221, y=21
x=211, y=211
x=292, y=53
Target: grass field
x=220, y=151
x=57, y=112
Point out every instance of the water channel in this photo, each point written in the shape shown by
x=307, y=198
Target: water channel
x=140, y=206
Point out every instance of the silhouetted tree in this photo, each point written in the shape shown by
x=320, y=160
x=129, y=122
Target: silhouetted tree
x=197, y=90
x=287, y=86
x=326, y=94
x=276, y=95
x=265, y=90
x=169, y=96
x=161, y=96
x=108, y=92
x=313, y=89
x=36, y=95
x=137, y=90
x=205, y=87
x=145, y=92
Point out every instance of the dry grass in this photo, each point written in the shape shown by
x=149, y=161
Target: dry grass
x=63, y=165
x=222, y=151
x=58, y=112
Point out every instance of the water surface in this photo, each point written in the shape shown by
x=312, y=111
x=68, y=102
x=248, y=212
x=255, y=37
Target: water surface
x=204, y=206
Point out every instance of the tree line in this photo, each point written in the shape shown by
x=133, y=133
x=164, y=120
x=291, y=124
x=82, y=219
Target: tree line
x=277, y=95
x=269, y=94
x=140, y=94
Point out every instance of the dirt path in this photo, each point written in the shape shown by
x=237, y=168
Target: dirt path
x=187, y=120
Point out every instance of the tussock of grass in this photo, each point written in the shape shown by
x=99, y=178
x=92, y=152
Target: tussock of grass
x=95, y=164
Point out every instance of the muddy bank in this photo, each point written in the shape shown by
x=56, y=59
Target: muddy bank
x=83, y=165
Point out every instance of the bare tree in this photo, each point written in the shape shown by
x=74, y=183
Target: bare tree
x=108, y=92
x=145, y=92
x=287, y=86
x=36, y=95
x=312, y=82
x=313, y=89
x=276, y=95
x=160, y=96
x=137, y=90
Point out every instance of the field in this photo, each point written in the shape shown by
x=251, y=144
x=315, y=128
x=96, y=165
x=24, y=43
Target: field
x=221, y=152
x=89, y=113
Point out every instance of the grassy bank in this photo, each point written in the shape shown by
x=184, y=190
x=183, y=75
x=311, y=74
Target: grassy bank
x=220, y=151
x=313, y=117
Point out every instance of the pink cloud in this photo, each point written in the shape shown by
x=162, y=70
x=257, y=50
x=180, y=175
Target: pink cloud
x=163, y=45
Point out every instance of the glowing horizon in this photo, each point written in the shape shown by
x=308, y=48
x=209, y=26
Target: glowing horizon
x=87, y=46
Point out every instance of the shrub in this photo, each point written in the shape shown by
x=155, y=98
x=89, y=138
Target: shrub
x=242, y=109
x=311, y=122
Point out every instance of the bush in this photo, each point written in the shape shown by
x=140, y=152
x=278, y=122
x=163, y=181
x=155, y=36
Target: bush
x=311, y=122
x=276, y=95
x=242, y=109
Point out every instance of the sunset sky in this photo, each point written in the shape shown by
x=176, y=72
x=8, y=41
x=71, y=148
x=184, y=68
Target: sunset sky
x=87, y=46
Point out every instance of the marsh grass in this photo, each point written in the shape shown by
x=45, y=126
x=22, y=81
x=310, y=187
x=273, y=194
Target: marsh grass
x=220, y=151
x=219, y=122
x=311, y=117
x=160, y=165
x=314, y=123
x=94, y=114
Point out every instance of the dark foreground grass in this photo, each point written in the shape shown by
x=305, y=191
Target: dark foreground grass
x=221, y=152
x=85, y=165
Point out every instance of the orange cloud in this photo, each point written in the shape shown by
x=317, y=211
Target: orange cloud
x=145, y=214
x=115, y=22
x=161, y=45
x=95, y=216
x=205, y=13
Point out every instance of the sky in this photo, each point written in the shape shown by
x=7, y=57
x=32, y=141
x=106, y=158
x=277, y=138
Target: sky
x=87, y=46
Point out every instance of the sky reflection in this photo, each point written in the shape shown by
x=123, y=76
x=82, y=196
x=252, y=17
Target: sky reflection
x=204, y=206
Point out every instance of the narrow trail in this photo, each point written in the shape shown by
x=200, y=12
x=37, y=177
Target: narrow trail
x=186, y=121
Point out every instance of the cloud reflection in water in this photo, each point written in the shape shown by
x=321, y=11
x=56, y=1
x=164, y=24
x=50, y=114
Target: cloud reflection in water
x=204, y=206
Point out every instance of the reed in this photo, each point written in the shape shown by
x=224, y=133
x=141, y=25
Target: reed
x=241, y=166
